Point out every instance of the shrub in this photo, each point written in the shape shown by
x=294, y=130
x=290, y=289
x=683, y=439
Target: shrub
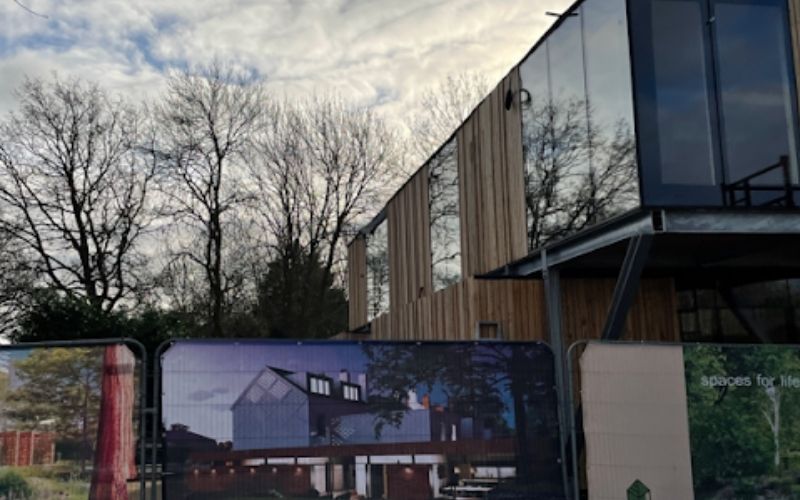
x=14, y=487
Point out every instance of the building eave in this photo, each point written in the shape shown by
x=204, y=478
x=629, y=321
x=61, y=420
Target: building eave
x=600, y=244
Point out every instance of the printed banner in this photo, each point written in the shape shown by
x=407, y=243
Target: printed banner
x=360, y=420
x=695, y=421
x=67, y=423
x=744, y=420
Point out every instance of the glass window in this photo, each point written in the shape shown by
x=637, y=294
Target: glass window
x=612, y=136
x=555, y=135
x=443, y=202
x=351, y=392
x=568, y=100
x=539, y=184
x=319, y=385
x=756, y=312
x=378, y=271
x=755, y=80
x=716, y=101
x=579, y=145
x=685, y=141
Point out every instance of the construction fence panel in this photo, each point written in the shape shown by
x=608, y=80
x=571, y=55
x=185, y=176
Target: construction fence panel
x=71, y=420
x=694, y=421
x=392, y=420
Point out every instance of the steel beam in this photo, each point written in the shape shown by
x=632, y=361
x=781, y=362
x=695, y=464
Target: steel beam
x=552, y=294
x=730, y=222
x=666, y=221
x=571, y=247
x=627, y=285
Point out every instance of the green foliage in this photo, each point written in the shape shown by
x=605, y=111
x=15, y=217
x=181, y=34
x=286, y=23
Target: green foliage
x=477, y=380
x=61, y=386
x=739, y=432
x=297, y=298
x=53, y=316
x=14, y=487
x=3, y=386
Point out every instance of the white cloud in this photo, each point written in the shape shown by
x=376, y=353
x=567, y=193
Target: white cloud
x=377, y=52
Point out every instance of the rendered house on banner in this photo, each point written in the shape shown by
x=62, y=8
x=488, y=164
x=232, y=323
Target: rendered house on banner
x=282, y=417
x=284, y=409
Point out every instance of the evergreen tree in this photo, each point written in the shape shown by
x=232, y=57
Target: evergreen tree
x=297, y=298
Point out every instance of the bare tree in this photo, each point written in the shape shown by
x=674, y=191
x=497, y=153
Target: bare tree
x=207, y=120
x=16, y=283
x=576, y=174
x=74, y=189
x=442, y=108
x=321, y=167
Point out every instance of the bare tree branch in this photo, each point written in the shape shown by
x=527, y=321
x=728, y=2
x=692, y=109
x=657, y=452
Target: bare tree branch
x=29, y=10
x=206, y=124
x=73, y=188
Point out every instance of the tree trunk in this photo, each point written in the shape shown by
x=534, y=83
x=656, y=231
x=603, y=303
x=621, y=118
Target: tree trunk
x=114, y=459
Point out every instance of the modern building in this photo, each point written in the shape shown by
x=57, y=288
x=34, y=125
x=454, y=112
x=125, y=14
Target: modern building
x=284, y=409
x=634, y=177
x=294, y=432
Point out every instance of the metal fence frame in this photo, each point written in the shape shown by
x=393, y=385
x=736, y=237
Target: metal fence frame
x=139, y=351
x=571, y=387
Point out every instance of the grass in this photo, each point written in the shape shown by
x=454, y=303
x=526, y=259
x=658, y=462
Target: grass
x=52, y=483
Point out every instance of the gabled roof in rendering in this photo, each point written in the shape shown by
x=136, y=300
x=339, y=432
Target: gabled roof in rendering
x=279, y=375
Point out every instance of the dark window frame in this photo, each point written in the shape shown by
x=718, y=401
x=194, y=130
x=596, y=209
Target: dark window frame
x=351, y=385
x=320, y=378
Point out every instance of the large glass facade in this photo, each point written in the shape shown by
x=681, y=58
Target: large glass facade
x=755, y=83
x=715, y=102
x=378, y=271
x=577, y=118
x=443, y=204
x=612, y=136
x=748, y=312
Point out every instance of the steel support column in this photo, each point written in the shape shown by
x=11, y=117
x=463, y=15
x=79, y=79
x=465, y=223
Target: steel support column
x=552, y=294
x=627, y=285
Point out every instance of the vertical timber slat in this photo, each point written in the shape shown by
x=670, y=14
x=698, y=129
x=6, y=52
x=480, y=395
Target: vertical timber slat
x=357, y=283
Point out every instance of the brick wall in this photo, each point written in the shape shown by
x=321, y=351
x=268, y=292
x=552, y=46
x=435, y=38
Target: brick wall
x=24, y=448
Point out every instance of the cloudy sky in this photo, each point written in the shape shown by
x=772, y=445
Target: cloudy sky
x=382, y=52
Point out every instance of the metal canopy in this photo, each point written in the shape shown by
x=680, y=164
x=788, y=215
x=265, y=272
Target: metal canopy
x=682, y=239
x=671, y=241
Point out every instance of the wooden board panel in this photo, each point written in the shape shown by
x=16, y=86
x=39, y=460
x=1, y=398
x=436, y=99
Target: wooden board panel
x=519, y=307
x=653, y=316
x=491, y=182
x=357, y=283
x=452, y=313
x=409, y=242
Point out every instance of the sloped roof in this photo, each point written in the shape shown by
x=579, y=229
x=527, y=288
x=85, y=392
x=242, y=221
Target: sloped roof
x=281, y=374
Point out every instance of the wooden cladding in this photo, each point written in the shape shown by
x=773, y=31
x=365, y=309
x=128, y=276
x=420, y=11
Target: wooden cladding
x=491, y=201
x=357, y=282
x=491, y=181
x=453, y=313
x=409, y=242
x=653, y=316
x=518, y=306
